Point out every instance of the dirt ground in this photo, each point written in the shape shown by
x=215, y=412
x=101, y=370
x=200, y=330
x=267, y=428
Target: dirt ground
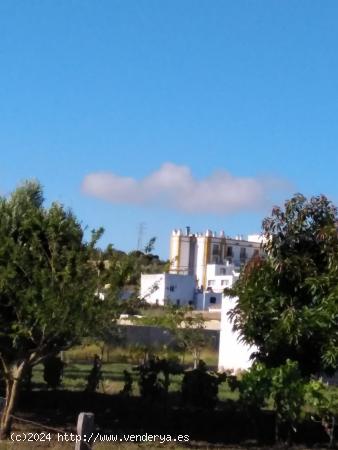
x=138, y=446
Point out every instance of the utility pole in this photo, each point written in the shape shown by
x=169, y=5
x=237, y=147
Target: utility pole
x=141, y=229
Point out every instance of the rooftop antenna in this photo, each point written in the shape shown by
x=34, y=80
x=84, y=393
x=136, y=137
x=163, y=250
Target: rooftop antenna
x=141, y=229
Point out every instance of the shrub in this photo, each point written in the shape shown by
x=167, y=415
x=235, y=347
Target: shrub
x=200, y=387
x=324, y=402
x=53, y=371
x=154, y=376
x=95, y=375
x=288, y=395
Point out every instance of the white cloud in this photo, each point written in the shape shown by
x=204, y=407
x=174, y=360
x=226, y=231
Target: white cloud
x=173, y=186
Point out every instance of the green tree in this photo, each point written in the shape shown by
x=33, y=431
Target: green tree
x=150, y=245
x=48, y=286
x=288, y=302
x=124, y=269
x=187, y=329
x=191, y=336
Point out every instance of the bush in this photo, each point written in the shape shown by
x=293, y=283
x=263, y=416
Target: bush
x=95, y=375
x=128, y=384
x=254, y=387
x=53, y=371
x=288, y=394
x=154, y=376
x=283, y=385
x=324, y=402
x=200, y=387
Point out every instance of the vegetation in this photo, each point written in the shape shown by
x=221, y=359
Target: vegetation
x=237, y=406
x=288, y=302
x=47, y=286
x=324, y=404
x=58, y=291
x=186, y=327
x=124, y=269
x=200, y=387
x=95, y=375
x=154, y=377
x=53, y=371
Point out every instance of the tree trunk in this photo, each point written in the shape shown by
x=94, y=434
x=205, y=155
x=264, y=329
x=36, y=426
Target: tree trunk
x=13, y=379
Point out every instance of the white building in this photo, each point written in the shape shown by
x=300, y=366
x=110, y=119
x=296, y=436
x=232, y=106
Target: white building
x=159, y=288
x=208, y=301
x=200, y=263
x=201, y=267
x=220, y=276
x=215, y=261
x=179, y=290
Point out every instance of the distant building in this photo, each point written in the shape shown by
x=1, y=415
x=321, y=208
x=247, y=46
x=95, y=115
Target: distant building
x=159, y=288
x=179, y=290
x=202, y=265
x=193, y=254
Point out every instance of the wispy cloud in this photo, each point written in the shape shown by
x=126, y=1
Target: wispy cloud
x=173, y=186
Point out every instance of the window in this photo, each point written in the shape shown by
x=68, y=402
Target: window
x=211, y=282
x=242, y=253
x=213, y=300
x=229, y=251
x=171, y=288
x=223, y=271
x=215, y=250
x=224, y=283
x=178, y=302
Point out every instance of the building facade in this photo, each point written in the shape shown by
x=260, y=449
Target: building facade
x=202, y=265
x=179, y=290
x=157, y=289
x=214, y=260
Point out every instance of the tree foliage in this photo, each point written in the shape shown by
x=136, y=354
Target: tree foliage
x=150, y=245
x=323, y=400
x=48, y=285
x=288, y=302
x=282, y=385
x=154, y=376
x=121, y=269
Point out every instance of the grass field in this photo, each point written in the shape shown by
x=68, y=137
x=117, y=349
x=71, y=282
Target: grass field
x=75, y=378
x=115, y=360
x=77, y=369
x=132, y=354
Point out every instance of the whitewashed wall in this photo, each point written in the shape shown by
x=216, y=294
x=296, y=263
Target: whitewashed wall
x=159, y=288
x=233, y=354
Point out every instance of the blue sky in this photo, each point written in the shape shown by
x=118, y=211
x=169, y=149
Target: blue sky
x=99, y=95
